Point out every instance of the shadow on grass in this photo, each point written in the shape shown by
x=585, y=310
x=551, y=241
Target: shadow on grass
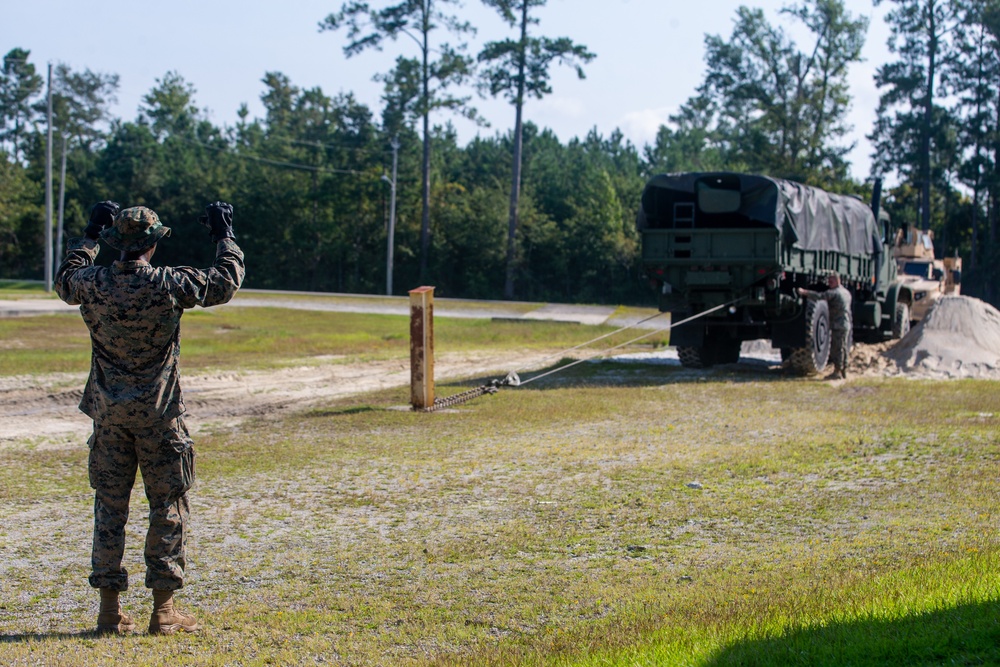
x=610, y=373
x=964, y=635
x=341, y=412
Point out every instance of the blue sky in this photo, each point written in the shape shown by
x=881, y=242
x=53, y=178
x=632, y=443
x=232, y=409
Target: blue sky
x=649, y=55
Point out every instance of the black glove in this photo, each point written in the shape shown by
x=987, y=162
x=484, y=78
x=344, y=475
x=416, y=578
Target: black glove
x=219, y=220
x=101, y=215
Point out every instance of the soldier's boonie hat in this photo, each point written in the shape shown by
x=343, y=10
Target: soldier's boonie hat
x=135, y=229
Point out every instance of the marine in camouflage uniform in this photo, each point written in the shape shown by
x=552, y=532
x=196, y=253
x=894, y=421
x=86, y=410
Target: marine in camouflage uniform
x=133, y=394
x=839, y=300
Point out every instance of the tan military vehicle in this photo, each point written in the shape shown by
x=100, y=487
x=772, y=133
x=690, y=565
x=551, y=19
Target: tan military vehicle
x=926, y=277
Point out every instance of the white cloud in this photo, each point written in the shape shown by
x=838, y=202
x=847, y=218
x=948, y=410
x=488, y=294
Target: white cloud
x=640, y=127
x=561, y=106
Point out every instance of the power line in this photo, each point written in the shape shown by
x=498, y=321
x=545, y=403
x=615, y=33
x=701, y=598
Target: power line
x=303, y=167
x=327, y=144
x=279, y=163
x=321, y=144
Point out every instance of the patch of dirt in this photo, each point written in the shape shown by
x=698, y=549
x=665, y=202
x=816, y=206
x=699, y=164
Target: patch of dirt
x=42, y=410
x=960, y=337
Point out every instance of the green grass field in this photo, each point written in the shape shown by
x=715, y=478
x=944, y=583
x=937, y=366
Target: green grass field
x=259, y=338
x=24, y=289
x=615, y=514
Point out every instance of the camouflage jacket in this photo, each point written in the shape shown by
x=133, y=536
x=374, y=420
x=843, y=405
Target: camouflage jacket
x=839, y=299
x=133, y=311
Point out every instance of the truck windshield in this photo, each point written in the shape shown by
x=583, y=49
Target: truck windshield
x=921, y=269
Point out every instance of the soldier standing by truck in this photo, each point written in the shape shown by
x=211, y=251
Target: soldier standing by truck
x=133, y=394
x=839, y=300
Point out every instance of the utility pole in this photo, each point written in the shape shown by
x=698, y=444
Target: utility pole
x=390, y=237
x=48, y=192
x=62, y=202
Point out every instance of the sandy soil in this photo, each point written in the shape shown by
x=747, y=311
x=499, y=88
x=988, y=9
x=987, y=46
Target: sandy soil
x=959, y=338
x=42, y=410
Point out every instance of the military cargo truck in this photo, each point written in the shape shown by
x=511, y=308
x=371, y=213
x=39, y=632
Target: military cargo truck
x=745, y=243
x=926, y=277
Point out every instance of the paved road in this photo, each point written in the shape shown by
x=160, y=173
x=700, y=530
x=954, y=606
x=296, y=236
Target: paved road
x=352, y=303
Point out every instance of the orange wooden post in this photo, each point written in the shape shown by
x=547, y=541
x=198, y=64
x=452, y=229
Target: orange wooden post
x=422, y=347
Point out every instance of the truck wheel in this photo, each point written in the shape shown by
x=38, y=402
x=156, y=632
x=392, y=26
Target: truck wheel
x=901, y=321
x=715, y=351
x=691, y=357
x=812, y=357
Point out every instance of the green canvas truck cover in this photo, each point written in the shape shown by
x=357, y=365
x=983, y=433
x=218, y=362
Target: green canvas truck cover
x=806, y=217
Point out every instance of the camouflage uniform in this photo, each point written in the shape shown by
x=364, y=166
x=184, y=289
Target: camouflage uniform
x=133, y=393
x=839, y=301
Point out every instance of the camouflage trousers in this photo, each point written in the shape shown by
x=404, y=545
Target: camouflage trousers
x=840, y=348
x=164, y=454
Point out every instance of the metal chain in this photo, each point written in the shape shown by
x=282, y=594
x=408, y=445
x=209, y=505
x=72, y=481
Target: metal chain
x=464, y=397
x=492, y=387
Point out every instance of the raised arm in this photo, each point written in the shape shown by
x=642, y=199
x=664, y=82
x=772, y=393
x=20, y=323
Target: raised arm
x=218, y=284
x=81, y=253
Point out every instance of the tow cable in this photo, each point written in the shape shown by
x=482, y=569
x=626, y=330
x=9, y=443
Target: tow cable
x=513, y=379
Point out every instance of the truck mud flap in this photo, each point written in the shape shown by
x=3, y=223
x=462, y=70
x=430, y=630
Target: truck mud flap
x=691, y=334
x=791, y=332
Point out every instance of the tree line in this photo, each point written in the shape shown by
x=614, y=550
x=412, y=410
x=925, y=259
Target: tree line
x=519, y=214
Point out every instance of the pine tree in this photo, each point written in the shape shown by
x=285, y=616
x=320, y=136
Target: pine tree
x=518, y=69
x=419, y=84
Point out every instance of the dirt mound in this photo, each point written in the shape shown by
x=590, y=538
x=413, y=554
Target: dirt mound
x=959, y=337
x=871, y=359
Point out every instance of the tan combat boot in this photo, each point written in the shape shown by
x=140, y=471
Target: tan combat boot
x=166, y=620
x=111, y=620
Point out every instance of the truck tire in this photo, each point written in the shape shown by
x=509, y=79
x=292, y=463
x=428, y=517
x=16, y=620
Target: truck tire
x=691, y=357
x=715, y=351
x=811, y=358
x=901, y=321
